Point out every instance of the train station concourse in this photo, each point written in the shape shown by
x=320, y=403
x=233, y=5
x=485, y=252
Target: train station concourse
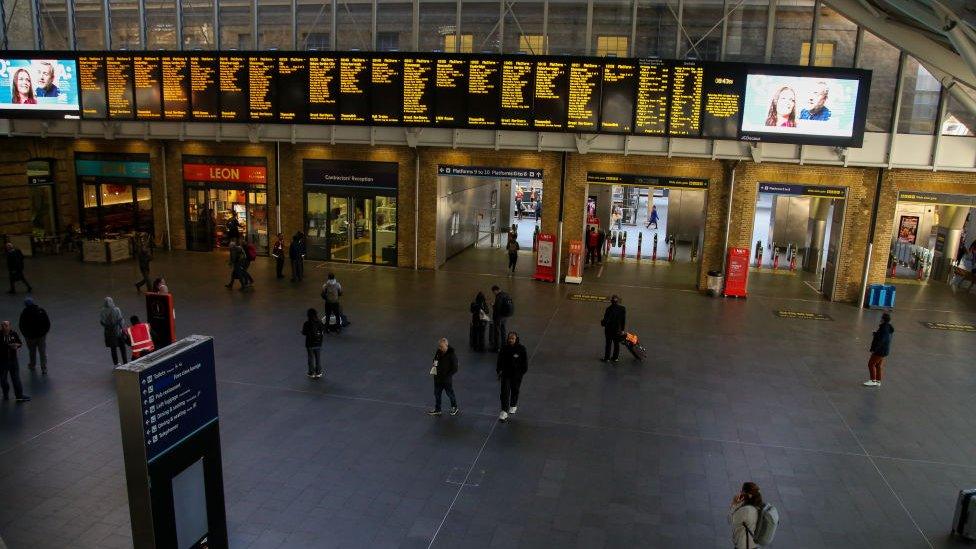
x=495, y=274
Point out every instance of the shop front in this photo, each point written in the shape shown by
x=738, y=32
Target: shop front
x=226, y=199
x=115, y=194
x=351, y=211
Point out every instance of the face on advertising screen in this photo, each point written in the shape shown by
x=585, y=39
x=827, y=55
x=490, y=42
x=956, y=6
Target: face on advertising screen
x=799, y=105
x=38, y=85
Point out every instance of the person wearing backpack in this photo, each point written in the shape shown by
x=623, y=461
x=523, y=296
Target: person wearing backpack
x=313, y=331
x=501, y=308
x=753, y=521
x=513, y=362
x=880, y=347
x=113, y=326
x=35, y=324
x=513, y=249
x=444, y=367
x=479, y=321
x=236, y=259
x=331, y=292
x=250, y=255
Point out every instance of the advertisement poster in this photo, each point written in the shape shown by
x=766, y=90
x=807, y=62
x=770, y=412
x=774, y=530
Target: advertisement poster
x=574, y=274
x=799, y=105
x=908, y=228
x=544, y=268
x=39, y=88
x=736, y=272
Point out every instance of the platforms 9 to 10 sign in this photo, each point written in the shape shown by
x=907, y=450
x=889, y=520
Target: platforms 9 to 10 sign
x=577, y=94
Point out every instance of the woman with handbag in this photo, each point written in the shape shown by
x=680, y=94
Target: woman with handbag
x=479, y=321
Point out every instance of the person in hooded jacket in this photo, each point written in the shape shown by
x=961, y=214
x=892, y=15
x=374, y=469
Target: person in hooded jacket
x=880, y=347
x=35, y=324
x=513, y=362
x=113, y=325
x=296, y=252
x=479, y=321
x=331, y=292
x=444, y=367
x=313, y=331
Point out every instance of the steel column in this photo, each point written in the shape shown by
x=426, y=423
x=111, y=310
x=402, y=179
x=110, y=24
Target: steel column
x=545, y=27
x=680, y=27
x=335, y=25
x=254, y=25
x=589, y=27
x=416, y=25
x=142, y=25
x=814, y=33
x=36, y=19
x=294, y=25
x=770, y=29
x=725, y=29
x=633, y=33
x=70, y=7
x=179, y=24
x=3, y=27
x=372, y=26
x=107, y=17
x=896, y=110
x=457, y=28
x=216, y=17
x=858, y=43
x=501, y=25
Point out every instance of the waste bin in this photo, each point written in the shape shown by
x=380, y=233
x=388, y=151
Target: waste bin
x=713, y=283
x=881, y=296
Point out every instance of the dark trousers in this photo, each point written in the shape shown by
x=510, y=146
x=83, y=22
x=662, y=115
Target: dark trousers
x=246, y=276
x=237, y=273
x=446, y=386
x=12, y=371
x=510, y=391
x=16, y=276
x=591, y=255
x=611, y=339
x=476, y=338
x=279, y=267
x=498, y=332
x=121, y=351
x=512, y=260
x=297, y=269
x=314, y=360
x=145, y=278
x=37, y=346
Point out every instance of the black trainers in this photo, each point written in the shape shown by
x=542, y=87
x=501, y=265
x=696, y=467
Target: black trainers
x=433, y=412
x=455, y=411
x=23, y=398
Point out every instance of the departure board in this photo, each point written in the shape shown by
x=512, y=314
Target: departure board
x=583, y=107
x=204, y=88
x=234, y=105
x=549, y=101
x=176, y=88
x=261, y=88
x=418, y=91
x=686, y=97
x=353, y=87
x=484, y=77
x=386, y=90
x=91, y=82
x=118, y=76
x=617, y=101
x=323, y=89
x=450, y=91
x=651, y=116
x=722, y=96
x=147, y=83
x=517, y=91
x=292, y=89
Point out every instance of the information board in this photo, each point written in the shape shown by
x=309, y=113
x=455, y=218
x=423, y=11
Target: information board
x=722, y=97
x=450, y=91
x=118, y=78
x=618, y=97
x=583, y=106
x=652, y=97
x=233, y=73
x=205, y=90
x=147, y=83
x=551, y=95
x=484, y=80
x=176, y=88
x=261, y=75
x=92, y=84
x=686, y=97
x=517, y=90
x=418, y=91
x=386, y=91
x=292, y=90
x=354, y=85
x=323, y=89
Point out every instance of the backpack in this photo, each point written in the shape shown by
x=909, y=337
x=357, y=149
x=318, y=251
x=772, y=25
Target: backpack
x=506, y=307
x=331, y=293
x=765, y=525
x=252, y=252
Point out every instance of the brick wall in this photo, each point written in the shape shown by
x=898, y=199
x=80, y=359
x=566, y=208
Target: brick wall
x=15, y=204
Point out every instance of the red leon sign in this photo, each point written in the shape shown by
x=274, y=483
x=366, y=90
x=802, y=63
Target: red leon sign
x=225, y=173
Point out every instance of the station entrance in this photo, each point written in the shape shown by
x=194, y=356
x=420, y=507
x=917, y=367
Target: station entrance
x=643, y=230
x=933, y=243
x=479, y=210
x=797, y=238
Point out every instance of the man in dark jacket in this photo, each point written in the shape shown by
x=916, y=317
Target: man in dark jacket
x=237, y=258
x=880, y=347
x=35, y=324
x=513, y=362
x=443, y=370
x=9, y=344
x=614, y=323
x=296, y=252
x=144, y=257
x=15, y=268
x=501, y=308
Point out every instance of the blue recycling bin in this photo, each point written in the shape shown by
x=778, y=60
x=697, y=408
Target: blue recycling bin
x=888, y=298
x=881, y=296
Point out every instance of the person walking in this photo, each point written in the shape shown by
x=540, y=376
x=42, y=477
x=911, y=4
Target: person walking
x=614, y=322
x=513, y=250
x=652, y=219
x=296, y=252
x=113, y=326
x=35, y=324
x=592, y=242
x=140, y=337
x=501, y=308
x=744, y=516
x=15, y=268
x=513, y=362
x=250, y=256
x=479, y=321
x=278, y=253
x=144, y=257
x=444, y=367
x=331, y=292
x=233, y=228
x=880, y=347
x=313, y=331
x=10, y=342
x=236, y=261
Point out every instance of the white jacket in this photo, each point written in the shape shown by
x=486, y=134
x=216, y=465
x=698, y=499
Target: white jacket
x=742, y=516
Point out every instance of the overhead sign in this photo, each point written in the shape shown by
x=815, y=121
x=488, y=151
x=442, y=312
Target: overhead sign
x=112, y=168
x=645, y=180
x=482, y=171
x=803, y=190
x=937, y=198
x=802, y=315
x=950, y=326
x=351, y=174
x=40, y=171
x=225, y=174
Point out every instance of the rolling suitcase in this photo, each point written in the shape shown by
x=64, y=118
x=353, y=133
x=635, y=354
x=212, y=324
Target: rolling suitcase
x=632, y=342
x=964, y=520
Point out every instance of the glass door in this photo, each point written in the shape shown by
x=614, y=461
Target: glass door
x=257, y=219
x=199, y=221
x=362, y=251
x=316, y=225
x=339, y=248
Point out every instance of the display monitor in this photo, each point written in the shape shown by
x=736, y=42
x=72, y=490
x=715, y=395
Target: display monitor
x=804, y=106
x=38, y=88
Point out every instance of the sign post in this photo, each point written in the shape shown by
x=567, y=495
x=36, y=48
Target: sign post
x=544, y=267
x=736, y=272
x=574, y=275
x=171, y=445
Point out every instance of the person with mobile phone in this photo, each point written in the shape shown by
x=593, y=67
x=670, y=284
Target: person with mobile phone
x=744, y=516
x=9, y=345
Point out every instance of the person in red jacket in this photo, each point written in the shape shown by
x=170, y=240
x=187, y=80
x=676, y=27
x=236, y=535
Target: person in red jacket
x=592, y=243
x=140, y=337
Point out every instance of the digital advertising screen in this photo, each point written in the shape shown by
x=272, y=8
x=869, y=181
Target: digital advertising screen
x=795, y=106
x=39, y=88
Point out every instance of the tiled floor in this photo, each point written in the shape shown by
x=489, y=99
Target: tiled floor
x=632, y=455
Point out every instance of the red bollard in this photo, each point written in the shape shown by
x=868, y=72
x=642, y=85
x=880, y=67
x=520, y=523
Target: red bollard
x=640, y=242
x=623, y=246
x=776, y=259
x=920, y=270
x=894, y=267
x=793, y=263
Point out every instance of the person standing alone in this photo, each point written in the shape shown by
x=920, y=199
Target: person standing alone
x=444, y=367
x=614, y=322
x=880, y=347
x=513, y=362
x=278, y=253
x=296, y=252
x=313, y=330
x=501, y=308
x=15, y=268
x=9, y=345
x=331, y=292
x=35, y=324
x=113, y=326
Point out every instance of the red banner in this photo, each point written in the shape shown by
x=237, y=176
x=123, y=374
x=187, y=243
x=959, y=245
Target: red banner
x=575, y=271
x=545, y=266
x=255, y=175
x=736, y=272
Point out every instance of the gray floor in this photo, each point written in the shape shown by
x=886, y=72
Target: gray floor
x=632, y=455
